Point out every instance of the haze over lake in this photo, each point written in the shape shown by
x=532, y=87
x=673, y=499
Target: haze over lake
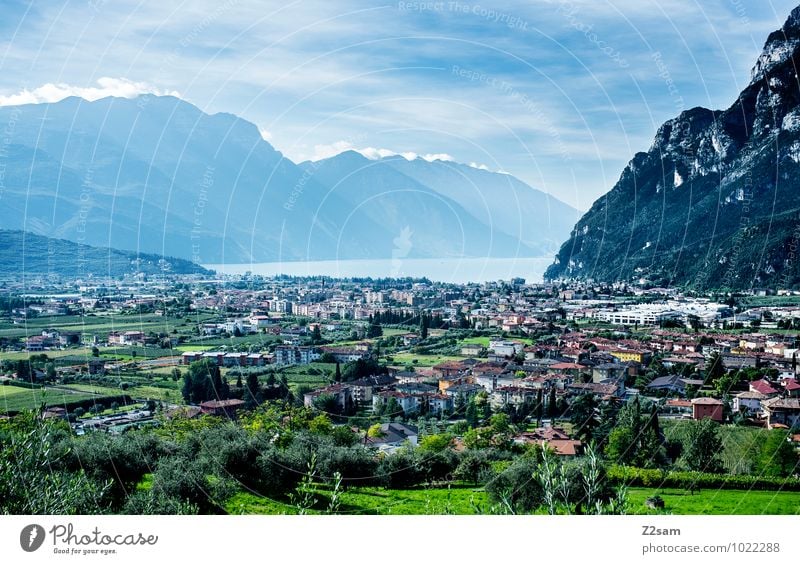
x=457, y=270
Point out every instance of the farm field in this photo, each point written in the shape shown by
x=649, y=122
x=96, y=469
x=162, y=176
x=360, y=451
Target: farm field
x=81, y=355
x=92, y=324
x=170, y=392
x=15, y=398
x=56, y=354
x=316, y=374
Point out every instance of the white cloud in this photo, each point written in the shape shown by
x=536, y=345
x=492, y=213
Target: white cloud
x=438, y=157
x=265, y=135
x=327, y=151
x=478, y=166
x=106, y=86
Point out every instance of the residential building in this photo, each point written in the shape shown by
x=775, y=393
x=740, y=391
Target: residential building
x=782, y=412
x=295, y=354
x=748, y=403
x=710, y=408
x=342, y=394
x=222, y=408
x=126, y=338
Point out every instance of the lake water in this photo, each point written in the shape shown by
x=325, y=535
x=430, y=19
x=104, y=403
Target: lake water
x=439, y=270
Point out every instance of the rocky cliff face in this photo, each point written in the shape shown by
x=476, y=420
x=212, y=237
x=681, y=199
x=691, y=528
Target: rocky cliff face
x=715, y=201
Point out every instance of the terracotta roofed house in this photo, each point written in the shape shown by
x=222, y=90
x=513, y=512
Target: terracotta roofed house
x=763, y=387
x=222, y=408
x=710, y=408
x=782, y=411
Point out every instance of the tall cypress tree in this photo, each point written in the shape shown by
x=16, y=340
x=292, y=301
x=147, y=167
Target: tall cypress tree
x=551, y=402
x=653, y=423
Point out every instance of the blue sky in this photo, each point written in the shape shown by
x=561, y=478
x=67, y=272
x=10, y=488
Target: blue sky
x=558, y=93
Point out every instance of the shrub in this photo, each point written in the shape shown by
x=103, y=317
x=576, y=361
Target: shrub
x=515, y=487
x=632, y=476
x=399, y=470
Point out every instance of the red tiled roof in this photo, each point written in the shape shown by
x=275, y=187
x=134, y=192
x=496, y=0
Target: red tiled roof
x=679, y=403
x=764, y=387
x=707, y=401
x=216, y=404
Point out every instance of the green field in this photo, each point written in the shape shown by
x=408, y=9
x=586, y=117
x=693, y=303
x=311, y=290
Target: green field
x=401, y=359
x=170, y=392
x=171, y=395
x=81, y=355
x=15, y=398
x=460, y=500
x=716, y=502
x=24, y=355
x=94, y=324
x=377, y=501
x=257, y=340
x=321, y=374
x=482, y=341
x=740, y=445
x=94, y=389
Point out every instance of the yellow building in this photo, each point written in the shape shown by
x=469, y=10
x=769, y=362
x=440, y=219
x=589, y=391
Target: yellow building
x=627, y=355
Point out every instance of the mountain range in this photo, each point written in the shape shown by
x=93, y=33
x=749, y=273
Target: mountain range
x=29, y=255
x=155, y=174
x=715, y=201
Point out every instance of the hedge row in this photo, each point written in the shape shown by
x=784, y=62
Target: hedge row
x=23, y=384
x=632, y=476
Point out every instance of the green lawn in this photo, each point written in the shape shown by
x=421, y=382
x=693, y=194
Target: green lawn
x=457, y=500
x=401, y=359
x=246, y=503
x=419, y=501
x=716, y=502
x=462, y=500
x=482, y=341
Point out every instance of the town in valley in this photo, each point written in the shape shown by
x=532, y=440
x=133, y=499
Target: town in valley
x=424, y=396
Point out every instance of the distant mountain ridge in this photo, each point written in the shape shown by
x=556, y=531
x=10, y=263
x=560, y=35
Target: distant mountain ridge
x=449, y=209
x=29, y=254
x=715, y=201
x=156, y=174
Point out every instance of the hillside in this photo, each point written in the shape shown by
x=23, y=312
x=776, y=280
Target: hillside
x=715, y=201
x=33, y=255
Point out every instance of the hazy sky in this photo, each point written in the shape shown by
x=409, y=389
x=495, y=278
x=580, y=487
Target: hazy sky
x=561, y=94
